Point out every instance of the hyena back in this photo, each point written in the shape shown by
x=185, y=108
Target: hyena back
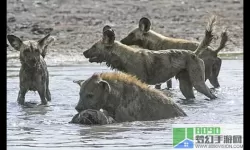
x=154, y=67
x=149, y=39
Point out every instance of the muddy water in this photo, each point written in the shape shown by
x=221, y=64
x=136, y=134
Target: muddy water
x=48, y=127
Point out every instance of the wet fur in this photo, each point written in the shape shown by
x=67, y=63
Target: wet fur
x=155, y=41
x=33, y=74
x=155, y=67
x=128, y=99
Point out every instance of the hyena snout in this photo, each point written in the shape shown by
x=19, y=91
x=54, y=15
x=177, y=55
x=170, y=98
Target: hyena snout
x=125, y=41
x=33, y=60
x=78, y=109
x=86, y=54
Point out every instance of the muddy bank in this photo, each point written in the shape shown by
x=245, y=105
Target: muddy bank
x=78, y=23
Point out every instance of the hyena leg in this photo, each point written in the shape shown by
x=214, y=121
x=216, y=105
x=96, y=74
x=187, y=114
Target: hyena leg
x=48, y=95
x=42, y=94
x=169, y=84
x=202, y=88
x=196, y=72
x=215, y=73
x=185, y=85
x=21, y=95
x=158, y=86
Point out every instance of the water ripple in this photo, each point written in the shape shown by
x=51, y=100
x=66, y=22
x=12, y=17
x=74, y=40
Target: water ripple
x=48, y=127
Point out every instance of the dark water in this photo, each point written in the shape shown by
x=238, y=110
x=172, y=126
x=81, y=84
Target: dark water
x=48, y=128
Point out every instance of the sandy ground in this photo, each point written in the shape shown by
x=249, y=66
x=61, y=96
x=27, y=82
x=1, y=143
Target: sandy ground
x=77, y=24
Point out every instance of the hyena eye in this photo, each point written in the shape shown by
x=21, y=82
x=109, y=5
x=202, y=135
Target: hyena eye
x=90, y=95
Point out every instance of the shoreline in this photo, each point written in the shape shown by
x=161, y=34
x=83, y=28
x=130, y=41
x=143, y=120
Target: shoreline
x=75, y=59
x=238, y=55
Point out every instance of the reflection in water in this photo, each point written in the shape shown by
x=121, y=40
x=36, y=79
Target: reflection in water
x=41, y=127
x=33, y=109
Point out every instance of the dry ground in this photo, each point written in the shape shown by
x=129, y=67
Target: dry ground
x=77, y=24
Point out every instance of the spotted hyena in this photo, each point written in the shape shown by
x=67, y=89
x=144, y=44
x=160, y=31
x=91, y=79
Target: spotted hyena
x=125, y=98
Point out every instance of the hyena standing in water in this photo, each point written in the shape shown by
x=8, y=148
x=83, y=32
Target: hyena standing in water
x=33, y=74
x=154, y=67
x=148, y=39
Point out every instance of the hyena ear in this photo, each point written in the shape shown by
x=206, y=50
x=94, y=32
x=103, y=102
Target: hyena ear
x=79, y=82
x=108, y=37
x=107, y=27
x=105, y=85
x=42, y=41
x=15, y=42
x=144, y=24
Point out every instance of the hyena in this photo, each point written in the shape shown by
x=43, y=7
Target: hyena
x=33, y=74
x=154, y=67
x=125, y=98
x=146, y=38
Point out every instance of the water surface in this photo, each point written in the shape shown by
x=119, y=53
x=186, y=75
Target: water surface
x=48, y=127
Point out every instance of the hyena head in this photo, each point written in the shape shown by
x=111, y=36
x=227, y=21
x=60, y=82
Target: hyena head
x=30, y=50
x=138, y=35
x=101, y=50
x=93, y=93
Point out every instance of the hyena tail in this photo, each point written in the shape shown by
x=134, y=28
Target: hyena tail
x=208, y=35
x=223, y=41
